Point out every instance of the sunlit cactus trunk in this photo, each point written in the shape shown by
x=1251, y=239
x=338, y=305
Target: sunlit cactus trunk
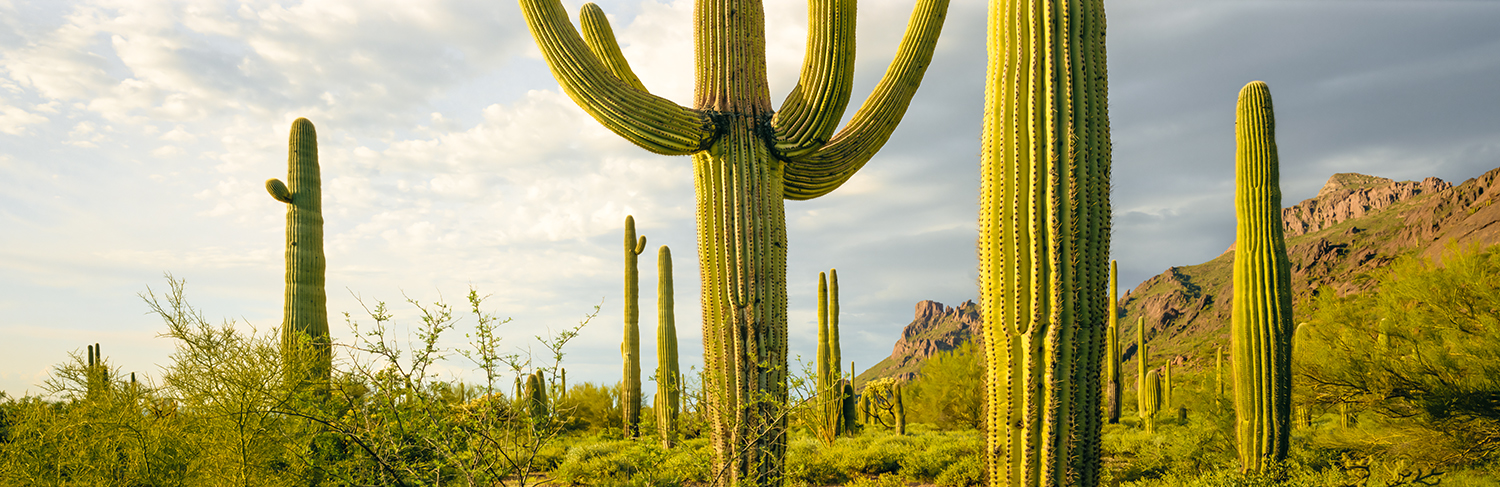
x=1112, y=376
x=1141, y=358
x=630, y=348
x=1044, y=240
x=900, y=411
x=1261, y=315
x=747, y=159
x=668, y=376
x=830, y=378
x=304, y=324
x=1150, y=399
x=1166, y=384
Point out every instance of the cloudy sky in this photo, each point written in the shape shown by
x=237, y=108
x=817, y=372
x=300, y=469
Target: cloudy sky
x=135, y=137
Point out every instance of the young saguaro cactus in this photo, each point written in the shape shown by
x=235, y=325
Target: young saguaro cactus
x=1261, y=313
x=1166, y=384
x=1044, y=240
x=747, y=159
x=536, y=396
x=630, y=349
x=1151, y=399
x=304, y=318
x=1112, y=375
x=668, y=376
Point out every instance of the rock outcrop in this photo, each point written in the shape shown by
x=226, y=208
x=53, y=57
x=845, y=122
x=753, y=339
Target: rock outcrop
x=1348, y=196
x=934, y=328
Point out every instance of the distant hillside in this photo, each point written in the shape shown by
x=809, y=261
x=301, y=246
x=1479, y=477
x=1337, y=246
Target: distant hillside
x=1355, y=225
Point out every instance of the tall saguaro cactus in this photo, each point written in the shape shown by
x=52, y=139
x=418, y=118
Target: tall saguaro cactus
x=1112, y=375
x=747, y=158
x=668, y=376
x=830, y=388
x=1141, y=357
x=630, y=349
x=1044, y=239
x=304, y=319
x=1261, y=314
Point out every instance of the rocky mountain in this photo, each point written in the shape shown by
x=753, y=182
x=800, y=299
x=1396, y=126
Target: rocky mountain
x=1335, y=241
x=934, y=328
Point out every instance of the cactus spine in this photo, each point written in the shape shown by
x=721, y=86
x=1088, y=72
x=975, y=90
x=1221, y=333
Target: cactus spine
x=668, y=376
x=1150, y=399
x=304, y=323
x=1112, y=379
x=1044, y=240
x=747, y=158
x=1261, y=313
x=630, y=349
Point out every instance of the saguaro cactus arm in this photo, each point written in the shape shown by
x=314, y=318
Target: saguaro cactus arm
x=823, y=171
x=649, y=121
x=812, y=110
x=601, y=40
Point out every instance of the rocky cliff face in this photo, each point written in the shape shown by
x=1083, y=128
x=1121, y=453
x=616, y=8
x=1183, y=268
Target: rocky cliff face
x=1347, y=196
x=934, y=328
x=1336, y=241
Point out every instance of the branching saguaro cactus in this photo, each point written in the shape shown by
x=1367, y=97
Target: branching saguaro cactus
x=630, y=348
x=1044, y=240
x=1150, y=399
x=746, y=160
x=96, y=375
x=1112, y=376
x=1261, y=314
x=304, y=320
x=668, y=376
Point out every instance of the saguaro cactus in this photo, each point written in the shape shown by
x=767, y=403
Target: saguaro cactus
x=830, y=388
x=630, y=349
x=847, y=409
x=1112, y=379
x=1261, y=313
x=1166, y=384
x=1140, y=364
x=668, y=376
x=900, y=411
x=304, y=318
x=96, y=374
x=746, y=160
x=1150, y=399
x=536, y=396
x=1044, y=239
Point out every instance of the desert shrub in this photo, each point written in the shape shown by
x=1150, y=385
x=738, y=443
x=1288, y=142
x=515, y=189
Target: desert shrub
x=949, y=393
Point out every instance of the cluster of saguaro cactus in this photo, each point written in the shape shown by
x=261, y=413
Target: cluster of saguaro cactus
x=830, y=379
x=630, y=348
x=847, y=413
x=1150, y=399
x=1044, y=239
x=1112, y=376
x=747, y=159
x=1261, y=312
x=536, y=396
x=668, y=376
x=304, y=324
x=96, y=375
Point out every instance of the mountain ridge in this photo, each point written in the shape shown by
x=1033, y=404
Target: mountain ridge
x=1356, y=225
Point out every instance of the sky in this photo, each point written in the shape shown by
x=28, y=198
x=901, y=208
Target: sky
x=136, y=136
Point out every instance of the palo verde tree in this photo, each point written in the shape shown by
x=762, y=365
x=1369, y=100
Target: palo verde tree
x=747, y=159
x=304, y=322
x=1261, y=313
x=1044, y=239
